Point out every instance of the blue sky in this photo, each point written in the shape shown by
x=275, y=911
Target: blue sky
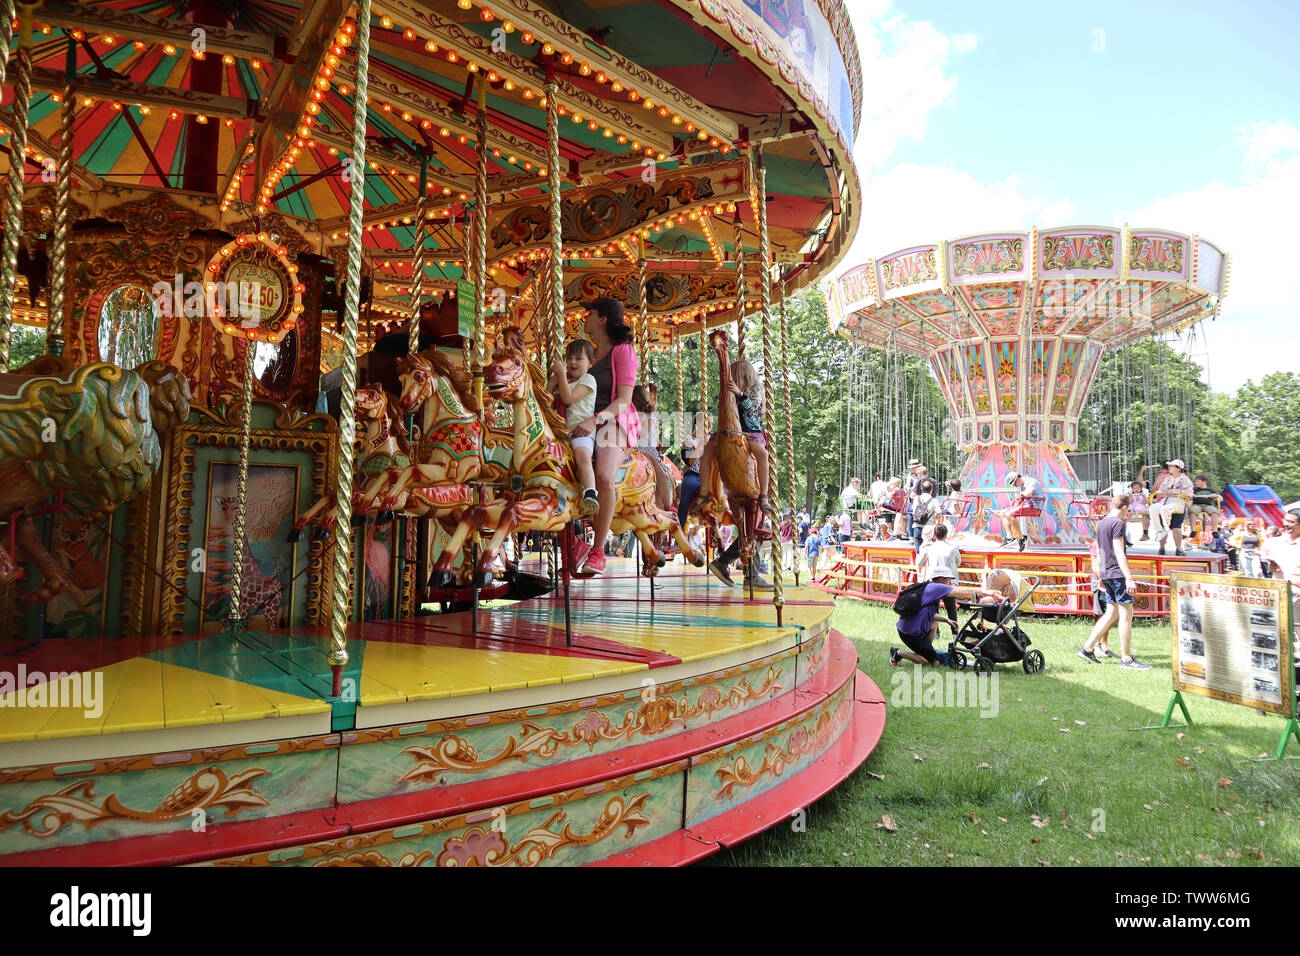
x=984, y=116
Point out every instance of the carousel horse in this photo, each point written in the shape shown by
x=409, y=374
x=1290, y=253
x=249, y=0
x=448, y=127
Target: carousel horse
x=93, y=430
x=728, y=465
x=545, y=494
x=383, y=448
x=429, y=480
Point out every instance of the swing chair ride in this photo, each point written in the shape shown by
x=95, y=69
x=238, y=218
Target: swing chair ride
x=301, y=268
x=1013, y=327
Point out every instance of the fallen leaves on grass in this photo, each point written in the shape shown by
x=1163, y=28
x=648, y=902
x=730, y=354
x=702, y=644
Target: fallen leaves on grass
x=1182, y=762
x=1082, y=723
x=1065, y=730
x=875, y=776
x=984, y=766
x=1041, y=781
x=886, y=822
x=1225, y=782
x=1146, y=806
x=917, y=757
x=1040, y=822
x=1043, y=862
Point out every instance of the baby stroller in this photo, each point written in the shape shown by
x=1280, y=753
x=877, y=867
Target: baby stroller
x=992, y=635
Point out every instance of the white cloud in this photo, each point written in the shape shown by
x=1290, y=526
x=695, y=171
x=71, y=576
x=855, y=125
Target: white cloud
x=905, y=76
x=1259, y=329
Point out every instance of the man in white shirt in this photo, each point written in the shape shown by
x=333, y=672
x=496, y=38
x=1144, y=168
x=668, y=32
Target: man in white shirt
x=1284, y=557
x=849, y=496
x=878, y=489
x=939, y=561
x=1024, y=490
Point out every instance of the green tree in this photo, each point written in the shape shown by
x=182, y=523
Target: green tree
x=25, y=344
x=1269, y=414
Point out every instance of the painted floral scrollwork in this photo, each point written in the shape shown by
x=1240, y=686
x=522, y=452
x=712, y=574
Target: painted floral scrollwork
x=480, y=847
x=207, y=789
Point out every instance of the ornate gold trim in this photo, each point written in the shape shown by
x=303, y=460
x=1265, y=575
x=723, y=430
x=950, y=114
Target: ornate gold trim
x=315, y=434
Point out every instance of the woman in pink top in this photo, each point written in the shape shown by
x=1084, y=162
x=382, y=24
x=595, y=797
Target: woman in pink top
x=615, y=423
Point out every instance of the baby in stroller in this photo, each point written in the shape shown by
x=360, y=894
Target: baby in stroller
x=1003, y=642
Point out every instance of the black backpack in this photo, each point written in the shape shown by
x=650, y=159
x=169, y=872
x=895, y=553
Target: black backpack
x=909, y=598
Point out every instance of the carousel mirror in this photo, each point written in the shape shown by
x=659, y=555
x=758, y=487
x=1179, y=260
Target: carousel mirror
x=128, y=327
x=275, y=363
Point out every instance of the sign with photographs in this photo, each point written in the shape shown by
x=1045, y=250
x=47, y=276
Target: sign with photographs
x=1232, y=640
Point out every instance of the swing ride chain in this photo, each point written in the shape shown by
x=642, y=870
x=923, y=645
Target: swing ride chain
x=417, y=272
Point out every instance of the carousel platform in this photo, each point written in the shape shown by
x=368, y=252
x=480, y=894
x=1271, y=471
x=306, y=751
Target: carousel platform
x=663, y=732
x=875, y=570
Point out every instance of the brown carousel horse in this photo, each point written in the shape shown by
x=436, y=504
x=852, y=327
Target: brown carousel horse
x=727, y=464
x=429, y=480
x=545, y=492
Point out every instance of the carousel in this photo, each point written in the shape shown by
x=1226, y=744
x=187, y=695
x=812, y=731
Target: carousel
x=1014, y=327
x=282, y=284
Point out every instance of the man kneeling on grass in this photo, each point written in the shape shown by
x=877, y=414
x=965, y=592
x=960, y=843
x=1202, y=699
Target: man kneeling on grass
x=918, y=630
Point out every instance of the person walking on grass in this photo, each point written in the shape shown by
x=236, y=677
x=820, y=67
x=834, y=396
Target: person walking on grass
x=1117, y=585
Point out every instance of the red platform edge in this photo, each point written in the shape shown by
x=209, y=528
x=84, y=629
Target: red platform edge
x=778, y=804
x=270, y=833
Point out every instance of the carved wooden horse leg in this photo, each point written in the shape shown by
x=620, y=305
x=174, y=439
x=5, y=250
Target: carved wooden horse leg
x=53, y=580
x=478, y=516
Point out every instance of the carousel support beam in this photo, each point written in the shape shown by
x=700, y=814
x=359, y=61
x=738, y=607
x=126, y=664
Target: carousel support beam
x=62, y=200
x=480, y=279
x=202, y=140
x=314, y=31
x=342, y=591
x=14, y=212
x=522, y=71
x=395, y=162
x=439, y=107
x=115, y=89
x=95, y=18
x=304, y=183
x=526, y=15
x=39, y=143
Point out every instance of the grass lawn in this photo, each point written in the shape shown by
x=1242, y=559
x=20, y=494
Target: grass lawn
x=1059, y=776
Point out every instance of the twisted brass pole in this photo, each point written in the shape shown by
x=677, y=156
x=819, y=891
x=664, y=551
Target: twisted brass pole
x=642, y=332
x=14, y=213
x=342, y=592
x=553, y=199
x=789, y=426
x=235, y=619
x=6, y=34
x=417, y=261
x=62, y=201
x=681, y=398
x=740, y=292
x=769, y=381
x=480, y=238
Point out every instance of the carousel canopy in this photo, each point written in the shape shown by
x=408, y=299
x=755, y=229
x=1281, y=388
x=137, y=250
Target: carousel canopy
x=246, y=108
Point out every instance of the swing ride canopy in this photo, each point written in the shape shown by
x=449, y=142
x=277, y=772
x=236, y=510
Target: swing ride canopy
x=1014, y=326
x=660, y=102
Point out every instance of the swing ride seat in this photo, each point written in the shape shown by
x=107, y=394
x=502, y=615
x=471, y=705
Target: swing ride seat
x=1087, y=509
x=1026, y=507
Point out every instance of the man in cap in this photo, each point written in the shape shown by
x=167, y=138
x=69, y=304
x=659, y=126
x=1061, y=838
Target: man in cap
x=1024, y=490
x=1169, y=506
